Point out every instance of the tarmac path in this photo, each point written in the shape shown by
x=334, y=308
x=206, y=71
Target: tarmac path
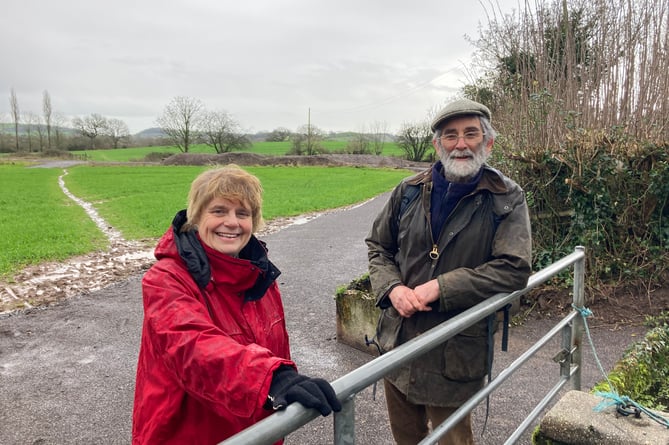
x=67, y=371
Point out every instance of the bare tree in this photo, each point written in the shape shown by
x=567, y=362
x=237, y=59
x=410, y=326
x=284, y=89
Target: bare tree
x=180, y=121
x=279, y=134
x=307, y=140
x=4, y=138
x=359, y=143
x=558, y=66
x=58, y=121
x=36, y=120
x=377, y=136
x=31, y=120
x=415, y=139
x=16, y=115
x=117, y=130
x=222, y=132
x=90, y=126
x=46, y=108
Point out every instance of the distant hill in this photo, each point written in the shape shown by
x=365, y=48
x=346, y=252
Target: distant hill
x=157, y=133
x=154, y=132
x=345, y=136
x=23, y=129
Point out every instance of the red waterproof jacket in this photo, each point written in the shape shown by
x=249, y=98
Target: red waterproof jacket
x=207, y=353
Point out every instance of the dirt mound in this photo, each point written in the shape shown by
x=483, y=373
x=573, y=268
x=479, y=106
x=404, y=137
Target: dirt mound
x=333, y=160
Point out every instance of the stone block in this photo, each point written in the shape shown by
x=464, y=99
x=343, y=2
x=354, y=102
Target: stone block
x=356, y=316
x=573, y=420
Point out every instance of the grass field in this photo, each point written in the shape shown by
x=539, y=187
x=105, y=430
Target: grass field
x=265, y=148
x=40, y=223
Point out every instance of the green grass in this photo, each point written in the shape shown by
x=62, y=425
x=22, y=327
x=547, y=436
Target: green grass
x=38, y=222
x=138, y=201
x=141, y=201
x=264, y=148
x=135, y=154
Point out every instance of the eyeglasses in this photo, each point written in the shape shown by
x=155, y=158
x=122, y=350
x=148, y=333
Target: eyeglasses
x=469, y=137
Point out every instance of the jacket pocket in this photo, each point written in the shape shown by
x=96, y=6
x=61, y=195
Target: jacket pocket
x=388, y=329
x=465, y=358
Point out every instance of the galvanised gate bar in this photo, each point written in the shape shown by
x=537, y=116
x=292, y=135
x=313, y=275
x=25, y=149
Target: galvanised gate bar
x=571, y=327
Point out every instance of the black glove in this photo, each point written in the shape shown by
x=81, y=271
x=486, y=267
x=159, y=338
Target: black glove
x=288, y=386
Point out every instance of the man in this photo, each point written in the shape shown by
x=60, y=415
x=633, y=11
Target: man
x=463, y=237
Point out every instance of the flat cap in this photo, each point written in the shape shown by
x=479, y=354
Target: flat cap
x=460, y=107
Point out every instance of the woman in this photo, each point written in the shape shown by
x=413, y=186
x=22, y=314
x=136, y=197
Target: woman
x=214, y=356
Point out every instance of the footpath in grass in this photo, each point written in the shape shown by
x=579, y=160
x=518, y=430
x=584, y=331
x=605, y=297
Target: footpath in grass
x=40, y=223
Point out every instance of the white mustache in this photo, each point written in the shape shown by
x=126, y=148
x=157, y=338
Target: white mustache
x=461, y=154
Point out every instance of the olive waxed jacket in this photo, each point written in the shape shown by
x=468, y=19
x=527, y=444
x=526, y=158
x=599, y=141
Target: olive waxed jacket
x=484, y=248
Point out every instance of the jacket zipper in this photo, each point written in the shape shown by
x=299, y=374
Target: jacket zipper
x=434, y=253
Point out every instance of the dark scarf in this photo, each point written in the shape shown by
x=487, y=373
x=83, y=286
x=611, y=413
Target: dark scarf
x=193, y=254
x=445, y=196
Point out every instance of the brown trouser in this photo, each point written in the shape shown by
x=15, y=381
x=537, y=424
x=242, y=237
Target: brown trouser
x=409, y=422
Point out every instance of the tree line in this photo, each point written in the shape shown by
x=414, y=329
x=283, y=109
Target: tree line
x=183, y=122
x=51, y=130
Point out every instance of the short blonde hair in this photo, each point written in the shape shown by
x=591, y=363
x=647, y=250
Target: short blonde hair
x=230, y=182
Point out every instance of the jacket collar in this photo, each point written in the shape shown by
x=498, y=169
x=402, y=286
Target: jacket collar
x=197, y=260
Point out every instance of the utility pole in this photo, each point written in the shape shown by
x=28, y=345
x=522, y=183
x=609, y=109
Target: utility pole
x=309, y=152
x=14, y=104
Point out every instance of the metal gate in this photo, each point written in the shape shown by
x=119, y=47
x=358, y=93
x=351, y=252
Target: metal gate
x=571, y=327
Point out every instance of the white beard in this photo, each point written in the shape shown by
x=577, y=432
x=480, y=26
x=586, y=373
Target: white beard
x=462, y=171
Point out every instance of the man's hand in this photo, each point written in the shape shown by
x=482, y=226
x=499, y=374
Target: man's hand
x=428, y=292
x=406, y=302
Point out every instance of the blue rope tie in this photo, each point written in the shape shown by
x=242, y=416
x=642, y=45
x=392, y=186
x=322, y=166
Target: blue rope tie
x=621, y=402
x=585, y=313
x=625, y=402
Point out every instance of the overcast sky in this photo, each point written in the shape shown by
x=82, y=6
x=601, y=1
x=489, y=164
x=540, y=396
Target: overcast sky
x=265, y=62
